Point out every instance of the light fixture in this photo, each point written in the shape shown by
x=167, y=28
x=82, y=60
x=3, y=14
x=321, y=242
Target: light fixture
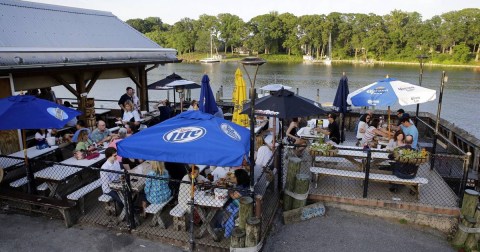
x=179, y=89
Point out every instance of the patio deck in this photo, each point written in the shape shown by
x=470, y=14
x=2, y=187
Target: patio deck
x=436, y=196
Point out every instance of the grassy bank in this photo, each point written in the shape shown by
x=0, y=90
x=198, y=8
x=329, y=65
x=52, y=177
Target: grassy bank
x=283, y=58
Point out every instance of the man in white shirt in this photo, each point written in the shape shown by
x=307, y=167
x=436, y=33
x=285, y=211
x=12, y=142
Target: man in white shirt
x=107, y=177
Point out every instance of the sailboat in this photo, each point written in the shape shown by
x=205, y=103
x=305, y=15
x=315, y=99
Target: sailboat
x=328, y=59
x=211, y=59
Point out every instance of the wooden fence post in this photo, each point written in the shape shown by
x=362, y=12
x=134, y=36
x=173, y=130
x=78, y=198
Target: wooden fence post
x=301, y=187
x=294, y=165
x=253, y=232
x=246, y=204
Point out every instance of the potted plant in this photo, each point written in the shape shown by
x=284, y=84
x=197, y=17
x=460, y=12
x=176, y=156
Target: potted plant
x=411, y=156
x=323, y=149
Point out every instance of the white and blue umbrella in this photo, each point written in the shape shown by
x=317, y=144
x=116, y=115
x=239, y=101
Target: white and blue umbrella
x=388, y=92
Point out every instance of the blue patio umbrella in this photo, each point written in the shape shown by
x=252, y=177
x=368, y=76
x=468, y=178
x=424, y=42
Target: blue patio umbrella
x=207, y=100
x=191, y=137
x=28, y=112
x=340, y=102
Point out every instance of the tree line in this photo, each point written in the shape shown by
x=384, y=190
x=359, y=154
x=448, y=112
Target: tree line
x=452, y=37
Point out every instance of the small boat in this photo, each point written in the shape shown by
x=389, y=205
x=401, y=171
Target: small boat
x=212, y=58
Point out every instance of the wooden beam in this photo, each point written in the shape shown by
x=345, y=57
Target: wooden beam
x=143, y=94
x=60, y=80
x=132, y=77
x=81, y=88
x=94, y=79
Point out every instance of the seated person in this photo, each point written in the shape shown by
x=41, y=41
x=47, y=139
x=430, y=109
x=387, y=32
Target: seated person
x=220, y=173
x=107, y=177
x=362, y=127
x=333, y=130
x=81, y=126
x=165, y=110
x=130, y=116
x=371, y=132
x=193, y=105
x=184, y=193
x=122, y=134
x=156, y=190
x=264, y=155
x=403, y=170
x=293, y=138
x=398, y=140
x=101, y=134
x=409, y=129
x=176, y=172
x=84, y=144
x=72, y=122
x=41, y=135
x=241, y=182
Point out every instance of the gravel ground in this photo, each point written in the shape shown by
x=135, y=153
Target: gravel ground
x=339, y=230
x=25, y=233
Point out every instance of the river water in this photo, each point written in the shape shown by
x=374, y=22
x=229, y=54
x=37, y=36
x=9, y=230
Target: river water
x=461, y=98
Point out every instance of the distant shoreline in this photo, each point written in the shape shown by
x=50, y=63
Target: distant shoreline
x=426, y=64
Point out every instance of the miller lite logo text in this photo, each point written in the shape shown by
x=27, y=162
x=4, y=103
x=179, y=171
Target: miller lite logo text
x=184, y=135
x=230, y=131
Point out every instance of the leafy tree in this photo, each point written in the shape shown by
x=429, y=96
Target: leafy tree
x=231, y=29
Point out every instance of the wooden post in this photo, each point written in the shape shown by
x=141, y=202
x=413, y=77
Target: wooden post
x=258, y=205
x=293, y=167
x=472, y=240
x=469, y=203
x=461, y=235
x=252, y=232
x=246, y=204
x=238, y=238
x=302, y=184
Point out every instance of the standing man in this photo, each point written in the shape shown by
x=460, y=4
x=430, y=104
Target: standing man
x=128, y=96
x=409, y=128
x=333, y=130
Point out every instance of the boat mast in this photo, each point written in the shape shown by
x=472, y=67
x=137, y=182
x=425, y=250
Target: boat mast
x=330, y=46
x=211, y=45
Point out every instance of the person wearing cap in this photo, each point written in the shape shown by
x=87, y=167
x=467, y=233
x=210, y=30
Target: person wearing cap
x=264, y=154
x=409, y=128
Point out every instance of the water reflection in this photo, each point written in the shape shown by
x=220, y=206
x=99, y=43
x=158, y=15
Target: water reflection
x=459, y=104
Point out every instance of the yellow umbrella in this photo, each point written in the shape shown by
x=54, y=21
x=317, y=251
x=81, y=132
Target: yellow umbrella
x=239, y=97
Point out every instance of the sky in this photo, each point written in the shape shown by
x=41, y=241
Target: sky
x=171, y=11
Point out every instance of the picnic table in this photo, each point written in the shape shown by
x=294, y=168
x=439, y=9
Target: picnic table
x=55, y=175
x=207, y=207
x=33, y=152
x=357, y=156
x=9, y=164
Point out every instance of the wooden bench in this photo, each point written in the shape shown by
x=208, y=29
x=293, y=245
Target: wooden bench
x=413, y=184
x=23, y=181
x=79, y=195
x=179, y=220
x=156, y=210
x=63, y=206
x=109, y=204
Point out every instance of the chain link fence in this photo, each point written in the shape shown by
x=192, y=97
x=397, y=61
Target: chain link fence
x=150, y=204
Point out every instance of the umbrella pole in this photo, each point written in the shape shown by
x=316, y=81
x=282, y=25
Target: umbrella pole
x=388, y=122
x=28, y=172
x=192, y=209
x=342, y=132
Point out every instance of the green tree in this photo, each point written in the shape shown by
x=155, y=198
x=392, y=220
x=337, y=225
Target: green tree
x=231, y=29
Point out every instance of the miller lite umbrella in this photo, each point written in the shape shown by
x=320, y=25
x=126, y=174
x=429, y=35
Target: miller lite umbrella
x=192, y=137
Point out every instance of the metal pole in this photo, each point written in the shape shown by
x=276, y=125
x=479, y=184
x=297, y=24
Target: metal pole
x=420, y=78
x=439, y=109
x=463, y=183
x=367, y=173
